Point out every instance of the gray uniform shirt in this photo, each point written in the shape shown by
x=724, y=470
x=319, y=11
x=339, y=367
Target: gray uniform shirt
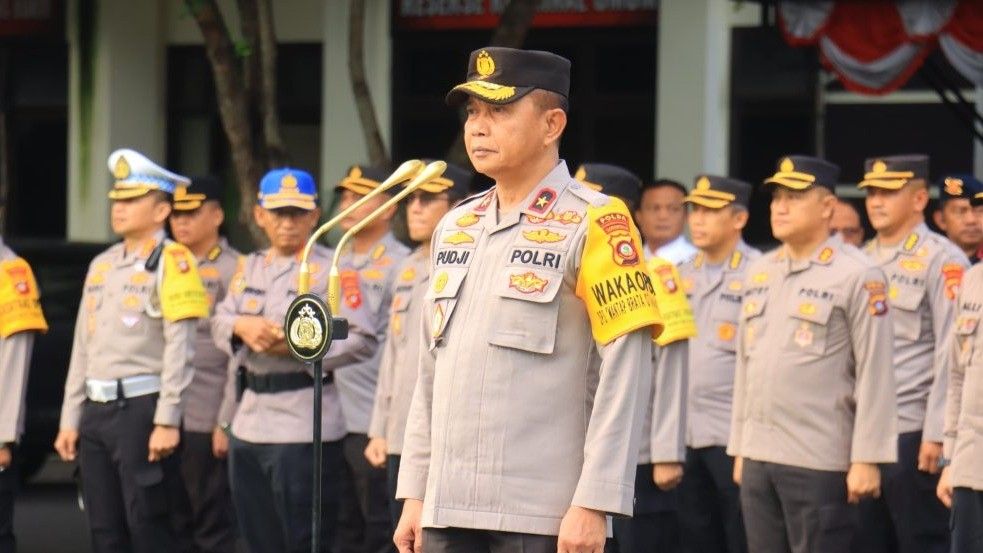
x=518, y=412
x=964, y=405
x=923, y=274
x=117, y=335
x=663, y=438
x=401, y=353
x=15, y=360
x=204, y=396
x=265, y=287
x=716, y=300
x=367, y=281
x=813, y=387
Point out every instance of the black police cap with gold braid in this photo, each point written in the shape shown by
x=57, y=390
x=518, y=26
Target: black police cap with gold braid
x=716, y=192
x=893, y=172
x=362, y=180
x=611, y=180
x=960, y=185
x=802, y=172
x=203, y=188
x=503, y=75
x=455, y=182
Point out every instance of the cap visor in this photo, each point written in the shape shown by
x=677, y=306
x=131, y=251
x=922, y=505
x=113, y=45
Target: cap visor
x=300, y=203
x=187, y=206
x=712, y=203
x=887, y=184
x=789, y=183
x=128, y=193
x=486, y=92
x=358, y=186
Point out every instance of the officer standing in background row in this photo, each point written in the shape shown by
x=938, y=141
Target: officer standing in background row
x=20, y=319
x=961, y=484
x=536, y=338
x=955, y=215
x=846, y=223
x=714, y=281
x=654, y=524
x=131, y=364
x=814, y=407
x=368, y=269
x=923, y=270
x=401, y=353
x=195, y=223
x=661, y=216
x=271, y=428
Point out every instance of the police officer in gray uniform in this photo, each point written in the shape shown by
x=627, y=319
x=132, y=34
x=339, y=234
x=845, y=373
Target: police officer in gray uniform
x=536, y=338
x=714, y=282
x=923, y=270
x=814, y=409
x=271, y=428
x=368, y=269
x=401, y=353
x=961, y=484
x=20, y=319
x=654, y=524
x=131, y=363
x=195, y=223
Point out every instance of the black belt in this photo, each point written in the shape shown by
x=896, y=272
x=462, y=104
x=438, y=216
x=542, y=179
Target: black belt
x=277, y=382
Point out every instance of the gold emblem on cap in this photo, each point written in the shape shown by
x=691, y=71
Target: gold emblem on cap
x=703, y=183
x=355, y=173
x=288, y=182
x=484, y=65
x=122, y=168
x=786, y=166
x=878, y=167
x=954, y=187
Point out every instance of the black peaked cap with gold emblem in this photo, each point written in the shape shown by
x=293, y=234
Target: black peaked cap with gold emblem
x=893, y=172
x=803, y=172
x=611, y=180
x=363, y=179
x=504, y=75
x=203, y=188
x=455, y=182
x=960, y=185
x=716, y=192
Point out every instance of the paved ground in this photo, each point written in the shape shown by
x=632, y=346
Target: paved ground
x=47, y=518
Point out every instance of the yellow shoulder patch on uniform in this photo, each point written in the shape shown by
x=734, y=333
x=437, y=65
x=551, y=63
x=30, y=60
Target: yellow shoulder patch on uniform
x=613, y=282
x=182, y=294
x=677, y=315
x=20, y=306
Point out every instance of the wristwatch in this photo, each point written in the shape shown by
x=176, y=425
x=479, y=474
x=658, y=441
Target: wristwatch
x=943, y=462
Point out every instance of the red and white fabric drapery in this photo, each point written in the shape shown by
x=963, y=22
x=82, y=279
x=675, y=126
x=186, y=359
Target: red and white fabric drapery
x=875, y=46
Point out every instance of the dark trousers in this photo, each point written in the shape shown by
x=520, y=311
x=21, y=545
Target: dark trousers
x=967, y=520
x=710, y=503
x=460, y=540
x=127, y=498
x=206, y=523
x=271, y=492
x=8, y=490
x=908, y=517
x=795, y=510
x=655, y=524
x=364, y=519
x=392, y=477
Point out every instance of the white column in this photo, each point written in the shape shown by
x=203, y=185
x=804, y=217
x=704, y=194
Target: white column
x=125, y=104
x=342, y=142
x=693, y=88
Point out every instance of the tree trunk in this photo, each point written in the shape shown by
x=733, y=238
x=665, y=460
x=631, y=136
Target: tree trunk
x=276, y=153
x=360, y=86
x=233, y=105
x=511, y=32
